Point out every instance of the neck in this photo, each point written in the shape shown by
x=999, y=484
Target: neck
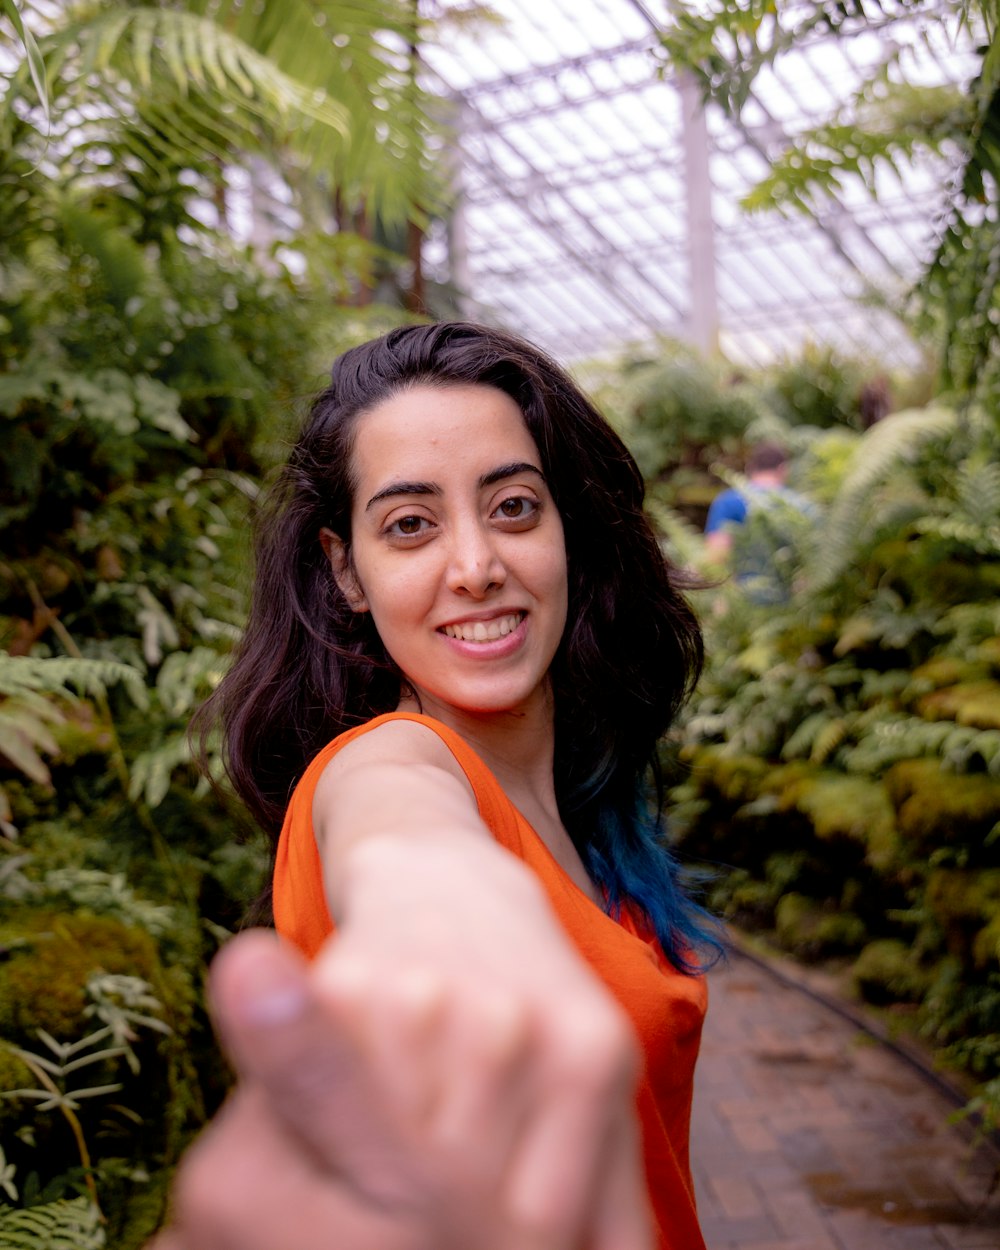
x=517, y=746
x=768, y=478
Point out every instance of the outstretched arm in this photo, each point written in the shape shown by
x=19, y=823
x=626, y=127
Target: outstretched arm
x=447, y=1075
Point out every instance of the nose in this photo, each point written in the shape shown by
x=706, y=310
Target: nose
x=475, y=566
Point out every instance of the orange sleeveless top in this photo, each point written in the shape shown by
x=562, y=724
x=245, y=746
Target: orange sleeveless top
x=666, y=1007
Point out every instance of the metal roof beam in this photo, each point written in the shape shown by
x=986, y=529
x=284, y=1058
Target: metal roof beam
x=529, y=207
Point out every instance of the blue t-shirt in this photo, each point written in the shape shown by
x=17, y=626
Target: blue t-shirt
x=729, y=506
x=765, y=550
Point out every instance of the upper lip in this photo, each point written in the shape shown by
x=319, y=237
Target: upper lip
x=493, y=614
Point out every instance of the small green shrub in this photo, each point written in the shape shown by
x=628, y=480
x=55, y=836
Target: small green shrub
x=887, y=971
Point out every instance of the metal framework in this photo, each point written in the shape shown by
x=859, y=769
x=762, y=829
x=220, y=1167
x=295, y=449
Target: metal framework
x=599, y=204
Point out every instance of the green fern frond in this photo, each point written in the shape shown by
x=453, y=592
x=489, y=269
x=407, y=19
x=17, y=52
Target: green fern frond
x=28, y=687
x=968, y=624
x=147, y=44
x=884, y=740
x=24, y=735
x=726, y=45
x=896, y=440
x=897, y=124
x=187, y=677
x=978, y=493
x=683, y=541
x=983, y=541
x=66, y=1224
x=800, y=744
x=973, y=519
x=152, y=771
x=190, y=86
x=105, y=894
x=66, y=675
x=830, y=738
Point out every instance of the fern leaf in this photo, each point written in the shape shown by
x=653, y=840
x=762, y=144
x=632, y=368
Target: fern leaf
x=685, y=543
x=829, y=738
x=895, y=440
x=22, y=737
x=66, y=1224
x=63, y=675
x=800, y=744
x=186, y=677
x=152, y=770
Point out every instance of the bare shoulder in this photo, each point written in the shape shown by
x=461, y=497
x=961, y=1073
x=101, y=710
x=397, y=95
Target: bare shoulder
x=393, y=745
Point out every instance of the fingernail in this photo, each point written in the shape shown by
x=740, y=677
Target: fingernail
x=272, y=995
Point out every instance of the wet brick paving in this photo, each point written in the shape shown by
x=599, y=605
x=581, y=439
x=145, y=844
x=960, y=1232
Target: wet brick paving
x=809, y=1135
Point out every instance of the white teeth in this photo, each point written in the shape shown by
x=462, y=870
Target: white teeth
x=485, y=631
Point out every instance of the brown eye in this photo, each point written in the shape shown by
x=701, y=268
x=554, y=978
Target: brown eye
x=407, y=527
x=517, y=507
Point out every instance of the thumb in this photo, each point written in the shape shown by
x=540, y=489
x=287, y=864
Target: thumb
x=309, y=1067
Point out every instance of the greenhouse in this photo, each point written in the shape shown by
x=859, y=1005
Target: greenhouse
x=760, y=241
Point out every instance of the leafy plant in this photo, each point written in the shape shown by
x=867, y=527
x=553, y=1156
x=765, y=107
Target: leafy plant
x=842, y=753
x=65, y=1224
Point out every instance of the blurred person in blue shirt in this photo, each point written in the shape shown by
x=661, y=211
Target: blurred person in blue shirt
x=756, y=526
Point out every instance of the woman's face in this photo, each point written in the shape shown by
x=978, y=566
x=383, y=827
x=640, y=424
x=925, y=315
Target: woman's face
x=457, y=548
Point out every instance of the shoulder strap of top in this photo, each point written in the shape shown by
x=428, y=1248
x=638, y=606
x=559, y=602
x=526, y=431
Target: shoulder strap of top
x=299, y=900
x=497, y=811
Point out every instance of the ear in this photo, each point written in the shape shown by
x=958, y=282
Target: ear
x=343, y=570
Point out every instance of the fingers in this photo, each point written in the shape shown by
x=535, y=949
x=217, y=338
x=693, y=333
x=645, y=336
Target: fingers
x=492, y=1086
x=559, y=1167
x=621, y=1218
x=398, y=1029
x=497, y=1124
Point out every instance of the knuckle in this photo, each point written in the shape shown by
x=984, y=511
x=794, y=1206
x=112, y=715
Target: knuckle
x=500, y=1026
x=598, y=1048
x=413, y=997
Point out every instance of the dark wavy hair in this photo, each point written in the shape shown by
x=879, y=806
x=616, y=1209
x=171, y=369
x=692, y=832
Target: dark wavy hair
x=309, y=667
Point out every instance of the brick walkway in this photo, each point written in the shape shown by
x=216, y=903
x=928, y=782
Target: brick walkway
x=808, y=1135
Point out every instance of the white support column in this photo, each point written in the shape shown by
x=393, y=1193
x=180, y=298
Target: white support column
x=457, y=227
x=703, y=320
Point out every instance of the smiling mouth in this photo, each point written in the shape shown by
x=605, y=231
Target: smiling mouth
x=485, y=631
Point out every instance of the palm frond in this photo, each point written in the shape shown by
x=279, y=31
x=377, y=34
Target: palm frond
x=202, y=83
x=869, y=133
x=33, y=58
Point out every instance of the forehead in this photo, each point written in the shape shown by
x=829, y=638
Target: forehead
x=434, y=433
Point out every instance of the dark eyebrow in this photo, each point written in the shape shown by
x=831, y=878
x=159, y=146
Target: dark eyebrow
x=509, y=470
x=403, y=488
x=431, y=488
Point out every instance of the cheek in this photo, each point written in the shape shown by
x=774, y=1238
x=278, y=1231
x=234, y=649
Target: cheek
x=553, y=579
x=396, y=591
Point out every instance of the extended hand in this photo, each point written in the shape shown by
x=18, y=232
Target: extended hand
x=392, y=1103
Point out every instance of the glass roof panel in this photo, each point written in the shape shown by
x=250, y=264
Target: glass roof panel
x=578, y=176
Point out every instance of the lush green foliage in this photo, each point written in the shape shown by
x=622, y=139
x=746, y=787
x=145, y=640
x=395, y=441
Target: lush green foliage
x=138, y=398
x=137, y=92
x=149, y=376
x=840, y=764
x=690, y=422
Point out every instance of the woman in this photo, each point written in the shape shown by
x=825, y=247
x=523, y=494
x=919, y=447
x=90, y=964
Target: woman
x=463, y=647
